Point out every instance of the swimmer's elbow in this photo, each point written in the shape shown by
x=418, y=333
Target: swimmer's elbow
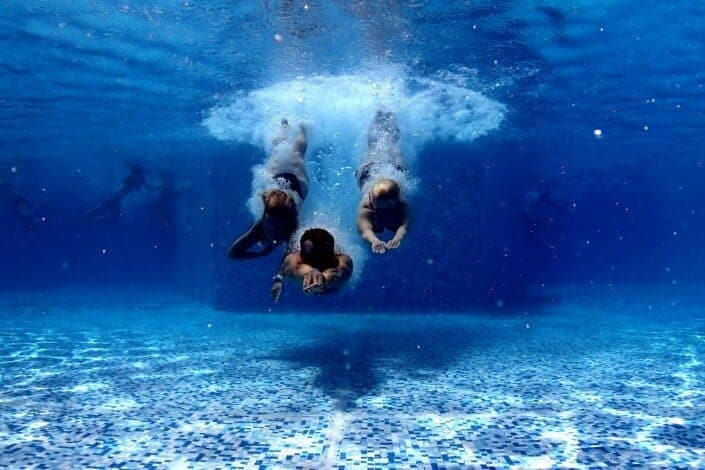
x=363, y=223
x=346, y=267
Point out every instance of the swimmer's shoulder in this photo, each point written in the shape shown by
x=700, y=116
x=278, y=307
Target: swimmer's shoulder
x=292, y=260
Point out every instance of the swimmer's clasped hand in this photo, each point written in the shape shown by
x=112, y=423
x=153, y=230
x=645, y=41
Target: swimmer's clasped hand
x=393, y=243
x=314, y=282
x=378, y=246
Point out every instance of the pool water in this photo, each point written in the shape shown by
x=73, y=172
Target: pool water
x=544, y=310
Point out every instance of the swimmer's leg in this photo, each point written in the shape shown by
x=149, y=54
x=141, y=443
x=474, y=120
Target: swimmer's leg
x=297, y=161
x=109, y=210
x=391, y=126
x=242, y=247
x=301, y=142
x=282, y=134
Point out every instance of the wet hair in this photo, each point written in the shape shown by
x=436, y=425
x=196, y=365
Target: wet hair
x=385, y=195
x=318, y=249
x=386, y=188
x=281, y=206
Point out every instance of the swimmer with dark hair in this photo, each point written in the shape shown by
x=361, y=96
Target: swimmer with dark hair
x=19, y=206
x=317, y=264
x=288, y=189
x=382, y=205
x=110, y=209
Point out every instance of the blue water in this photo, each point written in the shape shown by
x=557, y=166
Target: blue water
x=544, y=310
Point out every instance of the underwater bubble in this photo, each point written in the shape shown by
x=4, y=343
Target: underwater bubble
x=337, y=111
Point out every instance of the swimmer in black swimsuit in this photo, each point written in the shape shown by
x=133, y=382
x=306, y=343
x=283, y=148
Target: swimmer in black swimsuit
x=281, y=203
x=382, y=205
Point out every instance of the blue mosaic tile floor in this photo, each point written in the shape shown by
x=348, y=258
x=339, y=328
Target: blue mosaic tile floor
x=183, y=386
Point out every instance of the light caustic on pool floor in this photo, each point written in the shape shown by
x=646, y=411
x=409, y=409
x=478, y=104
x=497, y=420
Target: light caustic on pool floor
x=365, y=391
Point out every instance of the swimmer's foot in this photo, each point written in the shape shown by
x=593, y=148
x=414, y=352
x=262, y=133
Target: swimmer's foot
x=283, y=132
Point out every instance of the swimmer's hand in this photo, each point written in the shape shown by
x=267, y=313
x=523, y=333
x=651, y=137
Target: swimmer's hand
x=378, y=246
x=276, y=290
x=393, y=243
x=314, y=283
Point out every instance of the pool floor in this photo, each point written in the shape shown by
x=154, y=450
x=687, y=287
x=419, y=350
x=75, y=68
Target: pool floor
x=178, y=384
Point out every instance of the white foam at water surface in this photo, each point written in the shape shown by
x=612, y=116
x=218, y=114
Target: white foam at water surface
x=337, y=111
x=339, y=108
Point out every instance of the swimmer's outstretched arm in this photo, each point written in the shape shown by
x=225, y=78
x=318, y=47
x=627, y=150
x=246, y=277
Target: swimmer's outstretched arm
x=292, y=266
x=401, y=231
x=364, y=226
x=336, y=277
x=241, y=247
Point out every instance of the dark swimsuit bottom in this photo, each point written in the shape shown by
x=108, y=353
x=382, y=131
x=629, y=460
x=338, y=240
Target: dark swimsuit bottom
x=293, y=182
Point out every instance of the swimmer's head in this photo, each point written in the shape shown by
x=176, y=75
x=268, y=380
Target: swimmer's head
x=280, y=215
x=317, y=247
x=385, y=194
